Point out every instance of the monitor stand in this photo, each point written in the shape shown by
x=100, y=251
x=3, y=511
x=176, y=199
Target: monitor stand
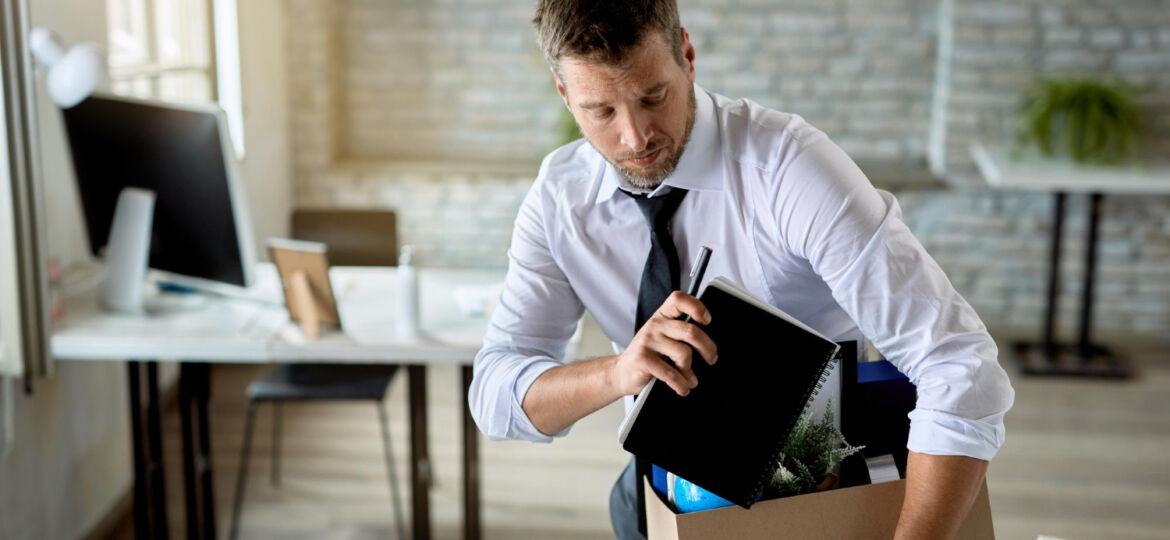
x=125, y=288
x=127, y=253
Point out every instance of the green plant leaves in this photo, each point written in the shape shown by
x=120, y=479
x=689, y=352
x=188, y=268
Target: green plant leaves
x=1095, y=122
x=812, y=453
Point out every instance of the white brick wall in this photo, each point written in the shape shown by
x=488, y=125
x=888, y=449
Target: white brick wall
x=1001, y=46
x=454, y=80
x=995, y=246
x=443, y=109
x=463, y=80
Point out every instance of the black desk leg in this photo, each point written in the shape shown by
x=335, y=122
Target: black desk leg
x=156, y=471
x=1082, y=358
x=1049, y=342
x=150, y=499
x=1083, y=343
x=471, y=525
x=420, y=463
x=141, y=500
x=202, y=398
x=190, y=486
x=194, y=394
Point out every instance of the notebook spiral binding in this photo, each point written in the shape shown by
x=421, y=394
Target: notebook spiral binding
x=810, y=393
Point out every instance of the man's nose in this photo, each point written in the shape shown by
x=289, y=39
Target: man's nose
x=635, y=129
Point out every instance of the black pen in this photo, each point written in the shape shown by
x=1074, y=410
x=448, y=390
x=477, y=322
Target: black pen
x=697, y=270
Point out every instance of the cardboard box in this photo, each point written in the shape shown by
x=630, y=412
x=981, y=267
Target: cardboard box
x=855, y=513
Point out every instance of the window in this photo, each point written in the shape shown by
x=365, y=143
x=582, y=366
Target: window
x=177, y=50
x=162, y=49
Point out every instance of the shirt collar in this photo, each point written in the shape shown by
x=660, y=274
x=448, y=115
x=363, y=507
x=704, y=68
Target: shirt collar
x=699, y=168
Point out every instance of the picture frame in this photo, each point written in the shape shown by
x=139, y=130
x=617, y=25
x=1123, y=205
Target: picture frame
x=303, y=268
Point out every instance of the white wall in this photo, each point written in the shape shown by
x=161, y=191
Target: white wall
x=265, y=167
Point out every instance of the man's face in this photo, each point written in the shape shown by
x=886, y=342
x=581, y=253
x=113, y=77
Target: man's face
x=638, y=115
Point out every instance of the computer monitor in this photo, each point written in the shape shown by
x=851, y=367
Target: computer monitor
x=201, y=233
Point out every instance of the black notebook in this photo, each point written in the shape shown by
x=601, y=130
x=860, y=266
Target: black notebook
x=726, y=435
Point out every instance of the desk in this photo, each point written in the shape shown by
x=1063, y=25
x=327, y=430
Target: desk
x=1083, y=358
x=223, y=329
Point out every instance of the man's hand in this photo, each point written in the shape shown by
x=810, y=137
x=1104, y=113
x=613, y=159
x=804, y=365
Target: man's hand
x=565, y=394
x=662, y=338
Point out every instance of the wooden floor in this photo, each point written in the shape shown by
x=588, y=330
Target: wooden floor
x=1083, y=460
x=1087, y=459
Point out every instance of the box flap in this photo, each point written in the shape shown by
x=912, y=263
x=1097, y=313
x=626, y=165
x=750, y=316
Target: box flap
x=660, y=520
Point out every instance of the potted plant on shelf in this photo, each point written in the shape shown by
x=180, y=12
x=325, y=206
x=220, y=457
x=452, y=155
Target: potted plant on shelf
x=1089, y=121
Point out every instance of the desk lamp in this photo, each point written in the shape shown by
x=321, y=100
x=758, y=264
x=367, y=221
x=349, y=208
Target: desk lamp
x=73, y=72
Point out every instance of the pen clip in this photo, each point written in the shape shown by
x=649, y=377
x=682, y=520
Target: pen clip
x=695, y=266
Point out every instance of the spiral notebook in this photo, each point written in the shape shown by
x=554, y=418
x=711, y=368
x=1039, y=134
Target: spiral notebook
x=727, y=433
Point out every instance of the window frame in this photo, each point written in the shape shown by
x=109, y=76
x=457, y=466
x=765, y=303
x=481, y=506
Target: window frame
x=11, y=363
x=23, y=287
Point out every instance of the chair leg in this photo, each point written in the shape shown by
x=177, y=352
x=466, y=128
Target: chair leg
x=395, y=499
x=276, y=421
x=242, y=475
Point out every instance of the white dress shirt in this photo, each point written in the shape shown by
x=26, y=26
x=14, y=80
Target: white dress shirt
x=792, y=219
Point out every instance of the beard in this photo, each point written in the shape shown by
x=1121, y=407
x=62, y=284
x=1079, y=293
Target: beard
x=653, y=180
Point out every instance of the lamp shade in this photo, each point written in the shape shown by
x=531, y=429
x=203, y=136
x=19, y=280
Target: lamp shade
x=73, y=72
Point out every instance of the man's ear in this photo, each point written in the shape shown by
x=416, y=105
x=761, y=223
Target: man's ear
x=561, y=88
x=688, y=51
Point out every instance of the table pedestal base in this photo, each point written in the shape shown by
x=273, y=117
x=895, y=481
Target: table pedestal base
x=1069, y=360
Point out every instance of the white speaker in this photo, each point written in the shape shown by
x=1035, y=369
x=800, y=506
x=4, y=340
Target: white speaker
x=127, y=251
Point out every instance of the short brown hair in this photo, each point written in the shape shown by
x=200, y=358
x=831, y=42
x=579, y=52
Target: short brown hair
x=604, y=30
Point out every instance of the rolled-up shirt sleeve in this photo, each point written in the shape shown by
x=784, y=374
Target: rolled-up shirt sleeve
x=854, y=237
x=529, y=329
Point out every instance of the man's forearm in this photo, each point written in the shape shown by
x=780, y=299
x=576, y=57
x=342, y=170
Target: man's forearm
x=565, y=394
x=939, y=492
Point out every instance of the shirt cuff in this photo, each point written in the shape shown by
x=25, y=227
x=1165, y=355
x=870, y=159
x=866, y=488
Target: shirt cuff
x=945, y=434
x=521, y=422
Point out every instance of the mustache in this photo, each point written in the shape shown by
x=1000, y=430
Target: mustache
x=650, y=149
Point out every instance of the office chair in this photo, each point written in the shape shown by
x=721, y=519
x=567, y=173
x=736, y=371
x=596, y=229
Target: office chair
x=354, y=238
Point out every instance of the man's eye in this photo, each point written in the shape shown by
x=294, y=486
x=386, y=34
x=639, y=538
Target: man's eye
x=654, y=101
x=603, y=114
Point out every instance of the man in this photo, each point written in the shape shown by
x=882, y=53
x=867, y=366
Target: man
x=790, y=217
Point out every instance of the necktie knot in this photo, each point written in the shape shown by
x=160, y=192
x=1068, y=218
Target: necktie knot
x=658, y=210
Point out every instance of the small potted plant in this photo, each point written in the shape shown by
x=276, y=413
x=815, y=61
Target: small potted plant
x=1089, y=121
x=810, y=458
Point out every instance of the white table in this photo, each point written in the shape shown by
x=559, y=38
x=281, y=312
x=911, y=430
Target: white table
x=220, y=329
x=1060, y=178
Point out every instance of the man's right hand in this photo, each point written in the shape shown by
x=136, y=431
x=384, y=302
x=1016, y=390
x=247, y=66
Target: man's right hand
x=662, y=340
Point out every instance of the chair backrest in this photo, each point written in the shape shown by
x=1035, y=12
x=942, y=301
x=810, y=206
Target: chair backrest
x=353, y=237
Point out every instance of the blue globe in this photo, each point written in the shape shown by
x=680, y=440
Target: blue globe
x=689, y=497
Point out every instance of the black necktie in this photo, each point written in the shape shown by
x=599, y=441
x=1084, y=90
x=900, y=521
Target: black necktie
x=660, y=277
